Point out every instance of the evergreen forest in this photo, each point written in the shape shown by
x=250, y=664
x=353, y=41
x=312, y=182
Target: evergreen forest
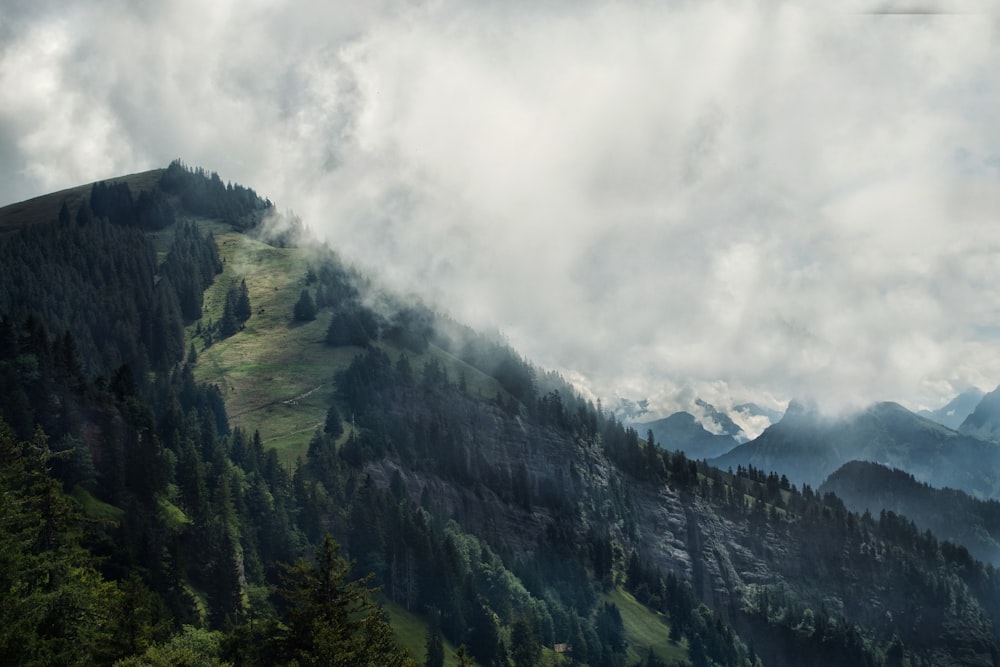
x=446, y=502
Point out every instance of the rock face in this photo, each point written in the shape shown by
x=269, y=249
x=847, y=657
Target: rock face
x=727, y=555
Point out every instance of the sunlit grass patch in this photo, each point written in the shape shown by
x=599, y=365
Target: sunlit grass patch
x=645, y=629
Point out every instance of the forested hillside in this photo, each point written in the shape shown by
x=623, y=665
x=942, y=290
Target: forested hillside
x=948, y=513
x=155, y=514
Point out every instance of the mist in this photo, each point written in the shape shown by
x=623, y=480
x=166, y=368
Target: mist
x=728, y=200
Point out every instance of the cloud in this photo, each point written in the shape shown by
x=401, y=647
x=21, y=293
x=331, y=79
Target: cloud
x=743, y=200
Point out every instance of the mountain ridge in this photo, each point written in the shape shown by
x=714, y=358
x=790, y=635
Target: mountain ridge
x=955, y=411
x=482, y=493
x=681, y=431
x=984, y=421
x=948, y=513
x=808, y=447
x=45, y=208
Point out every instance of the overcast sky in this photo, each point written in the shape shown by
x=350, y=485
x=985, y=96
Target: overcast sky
x=738, y=200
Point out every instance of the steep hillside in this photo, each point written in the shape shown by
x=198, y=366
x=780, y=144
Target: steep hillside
x=285, y=401
x=808, y=447
x=949, y=514
x=45, y=208
x=277, y=374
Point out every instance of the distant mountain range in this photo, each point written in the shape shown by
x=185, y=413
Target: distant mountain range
x=807, y=447
x=682, y=432
x=956, y=410
x=705, y=434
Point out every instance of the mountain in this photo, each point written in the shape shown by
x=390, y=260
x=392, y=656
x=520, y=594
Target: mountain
x=682, y=432
x=190, y=463
x=716, y=421
x=984, y=422
x=956, y=410
x=949, y=514
x=45, y=208
x=807, y=447
x=707, y=435
x=754, y=410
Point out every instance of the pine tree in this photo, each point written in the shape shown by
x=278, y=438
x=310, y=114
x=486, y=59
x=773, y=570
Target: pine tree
x=346, y=328
x=463, y=658
x=334, y=425
x=524, y=647
x=84, y=216
x=435, y=644
x=329, y=620
x=64, y=216
x=242, y=309
x=55, y=608
x=483, y=637
x=167, y=331
x=305, y=309
x=229, y=325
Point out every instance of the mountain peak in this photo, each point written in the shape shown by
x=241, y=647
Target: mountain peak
x=683, y=431
x=955, y=411
x=800, y=410
x=984, y=421
x=808, y=446
x=715, y=421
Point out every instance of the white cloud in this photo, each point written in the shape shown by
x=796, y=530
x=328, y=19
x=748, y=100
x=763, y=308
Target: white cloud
x=744, y=200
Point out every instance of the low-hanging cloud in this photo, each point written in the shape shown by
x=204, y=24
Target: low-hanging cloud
x=728, y=199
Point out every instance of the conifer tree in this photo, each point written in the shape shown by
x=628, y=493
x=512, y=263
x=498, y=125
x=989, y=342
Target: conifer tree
x=334, y=425
x=229, y=325
x=329, y=620
x=64, y=216
x=435, y=644
x=55, y=608
x=305, y=309
x=524, y=646
x=346, y=328
x=242, y=307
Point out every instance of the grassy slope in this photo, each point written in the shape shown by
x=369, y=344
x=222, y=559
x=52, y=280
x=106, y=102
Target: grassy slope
x=645, y=628
x=46, y=207
x=277, y=374
x=411, y=634
x=95, y=509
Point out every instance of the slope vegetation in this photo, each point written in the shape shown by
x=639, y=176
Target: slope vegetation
x=285, y=407
x=949, y=514
x=45, y=208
